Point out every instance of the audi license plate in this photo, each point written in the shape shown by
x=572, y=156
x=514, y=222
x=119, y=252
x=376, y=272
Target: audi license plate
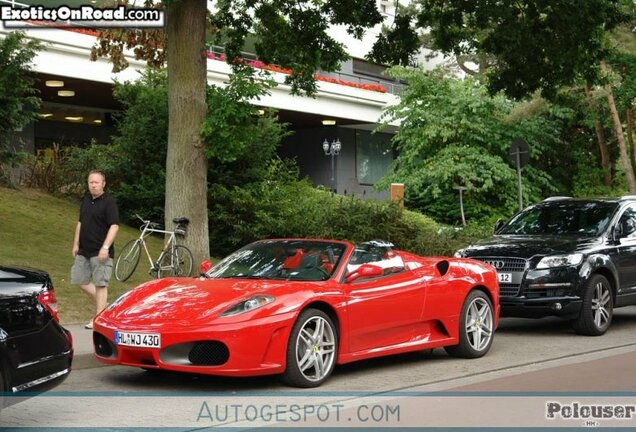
x=505, y=277
x=144, y=340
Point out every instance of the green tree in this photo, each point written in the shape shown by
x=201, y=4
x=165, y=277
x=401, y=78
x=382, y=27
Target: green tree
x=537, y=45
x=453, y=133
x=291, y=33
x=19, y=100
x=137, y=168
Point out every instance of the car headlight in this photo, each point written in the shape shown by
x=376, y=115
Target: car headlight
x=249, y=304
x=459, y=254
x=560, y=261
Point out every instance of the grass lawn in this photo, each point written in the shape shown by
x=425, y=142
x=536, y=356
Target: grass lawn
x=36, y=230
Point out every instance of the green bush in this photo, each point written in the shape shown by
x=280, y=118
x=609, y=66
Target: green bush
x=64, y=170
x=282, y=206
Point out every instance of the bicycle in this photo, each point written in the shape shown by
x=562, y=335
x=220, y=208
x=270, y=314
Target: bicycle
x=174, y=260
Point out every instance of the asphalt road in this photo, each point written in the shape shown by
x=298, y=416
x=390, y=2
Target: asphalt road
x=531, y=362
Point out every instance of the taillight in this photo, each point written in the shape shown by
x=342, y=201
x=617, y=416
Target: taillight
x=48, y=300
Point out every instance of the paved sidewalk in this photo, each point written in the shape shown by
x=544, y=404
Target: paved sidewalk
x=83, y=357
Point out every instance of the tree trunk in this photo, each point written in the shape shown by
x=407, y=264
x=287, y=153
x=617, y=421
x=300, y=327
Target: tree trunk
x=600, y=137
x=630, y=136
x=627, y=165
x=186, y=165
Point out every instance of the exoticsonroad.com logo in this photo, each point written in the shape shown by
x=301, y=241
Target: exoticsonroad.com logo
x=120, y=16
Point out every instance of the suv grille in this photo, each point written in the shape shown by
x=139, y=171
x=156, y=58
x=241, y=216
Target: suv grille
x=508, y=290
x=506, y=265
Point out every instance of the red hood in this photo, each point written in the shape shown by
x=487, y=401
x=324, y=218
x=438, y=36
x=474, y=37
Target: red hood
x=186, y=300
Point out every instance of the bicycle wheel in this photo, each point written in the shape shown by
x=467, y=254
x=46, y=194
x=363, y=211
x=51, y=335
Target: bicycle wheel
x=127, y=260
x=177, y=262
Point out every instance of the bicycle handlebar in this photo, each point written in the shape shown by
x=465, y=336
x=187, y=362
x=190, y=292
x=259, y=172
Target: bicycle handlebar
x=147, y=223
x=141, y=219
x=151, y=225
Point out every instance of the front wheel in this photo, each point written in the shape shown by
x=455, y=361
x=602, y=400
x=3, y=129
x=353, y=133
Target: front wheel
x=476, y=327
x=312, y=350
x=127, y=260
x=597, y=308
x=177, y=262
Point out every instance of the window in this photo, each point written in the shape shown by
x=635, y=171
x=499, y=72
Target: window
x=373, y=156
x=378, y=253
x=569, y=217
x=627, y=223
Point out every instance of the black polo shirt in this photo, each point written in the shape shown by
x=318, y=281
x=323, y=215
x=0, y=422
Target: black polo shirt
x=96, y=217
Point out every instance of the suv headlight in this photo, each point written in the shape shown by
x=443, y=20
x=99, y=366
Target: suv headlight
x=560, y=261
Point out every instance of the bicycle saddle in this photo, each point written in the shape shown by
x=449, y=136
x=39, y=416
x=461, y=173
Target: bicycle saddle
x=181, y=220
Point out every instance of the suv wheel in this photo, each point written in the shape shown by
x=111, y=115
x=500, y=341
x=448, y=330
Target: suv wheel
x=597, y=309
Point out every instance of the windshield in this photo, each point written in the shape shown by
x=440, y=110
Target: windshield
x=562, y=218
x=281, y=259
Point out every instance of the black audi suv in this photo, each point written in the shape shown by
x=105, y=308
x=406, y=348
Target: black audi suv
x=574, y=258
x=35, y=350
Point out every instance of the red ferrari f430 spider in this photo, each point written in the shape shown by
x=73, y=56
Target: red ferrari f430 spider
x=298, y=307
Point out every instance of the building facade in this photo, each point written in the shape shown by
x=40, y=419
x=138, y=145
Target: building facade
x=78, y=106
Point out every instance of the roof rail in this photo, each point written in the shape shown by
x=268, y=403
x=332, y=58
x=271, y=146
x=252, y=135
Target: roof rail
x=556, y=198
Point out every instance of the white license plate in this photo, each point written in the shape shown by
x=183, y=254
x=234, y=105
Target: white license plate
x=145, y=340
x=505, y=277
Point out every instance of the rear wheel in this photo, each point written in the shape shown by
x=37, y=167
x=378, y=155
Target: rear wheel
x=597, y=309
x=177, y=262
x=312, y=350
x=476, y=327
x=127, y=260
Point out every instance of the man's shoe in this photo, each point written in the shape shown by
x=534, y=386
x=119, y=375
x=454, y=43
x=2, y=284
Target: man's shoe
x=89, y=326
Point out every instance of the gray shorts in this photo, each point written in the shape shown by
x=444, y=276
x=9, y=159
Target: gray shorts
x=84, y=269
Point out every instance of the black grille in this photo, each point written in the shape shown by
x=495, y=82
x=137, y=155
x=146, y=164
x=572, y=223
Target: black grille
x=509, y=264
x=212, y=353
x=544, y=292
x=103, y=347
x=508, y=290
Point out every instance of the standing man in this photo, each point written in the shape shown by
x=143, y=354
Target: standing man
x=93, y=244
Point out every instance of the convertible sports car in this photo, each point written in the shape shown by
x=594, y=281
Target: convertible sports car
x=298, y=307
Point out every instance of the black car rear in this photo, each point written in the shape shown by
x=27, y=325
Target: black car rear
x=34, y=347
x=565, y=257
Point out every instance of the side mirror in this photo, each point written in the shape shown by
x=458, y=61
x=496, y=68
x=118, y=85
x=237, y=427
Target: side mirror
x=205, y=266
x=498, y=225
x=364, y=271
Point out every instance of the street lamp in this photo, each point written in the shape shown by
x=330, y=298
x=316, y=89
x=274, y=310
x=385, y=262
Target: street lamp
x=332, y=150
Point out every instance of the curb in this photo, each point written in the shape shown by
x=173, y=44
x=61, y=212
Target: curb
x=86, y=361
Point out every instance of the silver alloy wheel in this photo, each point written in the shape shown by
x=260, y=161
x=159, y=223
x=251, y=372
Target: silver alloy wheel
x=600, y=301
x=479, y=324
x=315, y=348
